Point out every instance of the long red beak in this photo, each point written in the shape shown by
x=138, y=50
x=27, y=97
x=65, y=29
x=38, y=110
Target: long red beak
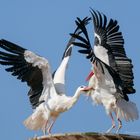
x=90, y=75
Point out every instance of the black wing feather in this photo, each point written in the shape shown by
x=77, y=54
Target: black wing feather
x=77, y=31
x=13, y=58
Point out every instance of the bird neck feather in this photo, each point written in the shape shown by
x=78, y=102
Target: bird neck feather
x=76, y=96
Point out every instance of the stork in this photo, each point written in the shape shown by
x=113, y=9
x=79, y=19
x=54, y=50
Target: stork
x=111, y=78
x=47, y=91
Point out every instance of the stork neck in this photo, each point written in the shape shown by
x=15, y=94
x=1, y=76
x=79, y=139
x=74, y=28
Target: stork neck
x=76, y=96
x=73, y=99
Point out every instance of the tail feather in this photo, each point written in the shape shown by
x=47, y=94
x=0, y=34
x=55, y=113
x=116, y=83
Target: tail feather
x=36, y=121
x=126, y=110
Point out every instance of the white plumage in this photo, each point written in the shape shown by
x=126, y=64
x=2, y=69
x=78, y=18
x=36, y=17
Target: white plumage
x=104, y=93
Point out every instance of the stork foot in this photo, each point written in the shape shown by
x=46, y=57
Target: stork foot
x=110, y=129
x=119, y=127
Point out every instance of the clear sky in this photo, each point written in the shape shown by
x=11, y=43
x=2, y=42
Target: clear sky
x=43, y=26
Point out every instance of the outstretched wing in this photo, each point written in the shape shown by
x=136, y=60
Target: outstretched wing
x=84, y=42
x=109, y=47
x=27, y=67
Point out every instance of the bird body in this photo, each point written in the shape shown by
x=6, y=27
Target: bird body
x=50, y=110
x=104, y=93
x=62, y=103
x=101, y=94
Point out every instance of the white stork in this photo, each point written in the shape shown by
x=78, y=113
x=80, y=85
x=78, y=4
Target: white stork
x=111, y=80
x=47, y=92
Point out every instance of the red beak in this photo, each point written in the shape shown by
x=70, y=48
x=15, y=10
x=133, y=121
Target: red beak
x=90, y=75
x=88, y=88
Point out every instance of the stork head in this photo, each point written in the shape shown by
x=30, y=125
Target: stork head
x=87, y=91
x=81, y=88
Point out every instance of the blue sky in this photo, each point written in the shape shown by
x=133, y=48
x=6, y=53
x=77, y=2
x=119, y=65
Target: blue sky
x=43, y=26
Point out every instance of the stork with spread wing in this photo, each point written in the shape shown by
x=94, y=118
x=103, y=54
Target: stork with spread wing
x=111, y=80
x=47, y=92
